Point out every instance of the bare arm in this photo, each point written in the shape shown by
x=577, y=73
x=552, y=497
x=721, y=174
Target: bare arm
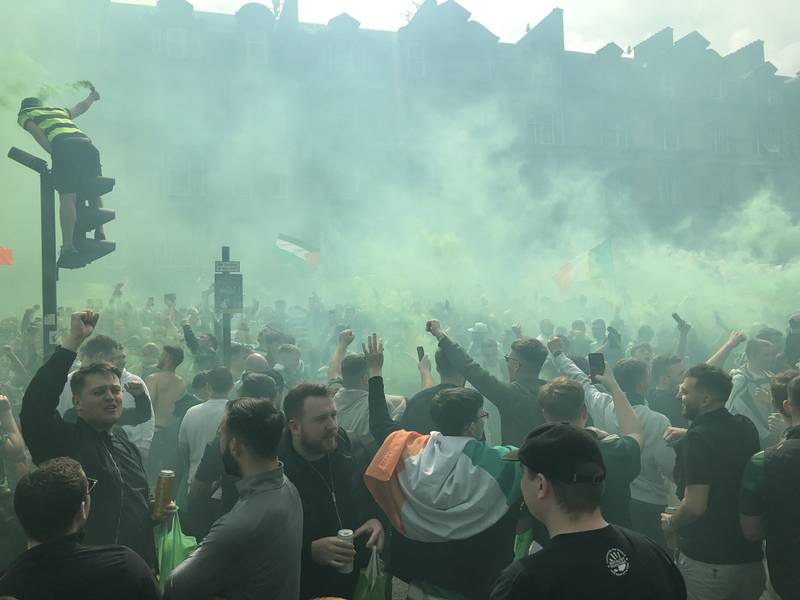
x=82, y=106
x=629, y=423
x=719, y=358
x=425, y=376
x=335, y=365
x=38, y=135
x=693, y=506
x=14, y=448
x=752, y=527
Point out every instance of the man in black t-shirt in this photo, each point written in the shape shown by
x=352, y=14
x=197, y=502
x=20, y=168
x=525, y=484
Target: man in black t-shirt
x=52, y=504
x=770, y=486
x=716, y=561
x=417, y=416
x=562, y=482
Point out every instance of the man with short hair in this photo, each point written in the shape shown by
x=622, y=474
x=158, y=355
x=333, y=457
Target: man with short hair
x=516, y=399
x=417, y=416
x=122, y=510
x=563, y=400
x=643, y=351
x=578, y=342
x=318, y=459
x=452, y=501
x=347, y=379
x=53, y=504
x=666, y=374
x=716, y=560
x=75, y=163
x=166, y=389
x=562, y=484
x=253, y=551
x=203, y=348
x=651, y=490
x=750, y=393
x=199, y=426
x=290, y=365
x=770, y=484
x=102, y=348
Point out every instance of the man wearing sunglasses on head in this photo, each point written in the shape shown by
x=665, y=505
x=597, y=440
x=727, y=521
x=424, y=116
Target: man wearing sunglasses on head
x=53, y=504
x=121, y=513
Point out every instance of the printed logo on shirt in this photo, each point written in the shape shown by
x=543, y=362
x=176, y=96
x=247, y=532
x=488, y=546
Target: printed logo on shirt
x=617, y=562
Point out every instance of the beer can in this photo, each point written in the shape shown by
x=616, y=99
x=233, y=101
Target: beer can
x=164, y=491
x=346, y=535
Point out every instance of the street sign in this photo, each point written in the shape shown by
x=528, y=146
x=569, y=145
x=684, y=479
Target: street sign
x=226, y=266
x=228, y=293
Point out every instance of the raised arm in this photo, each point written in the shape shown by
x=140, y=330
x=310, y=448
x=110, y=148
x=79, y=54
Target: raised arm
x=12, y=449
x=189, y=337
x=683, y=337
x=142, y=410
x=425, y=375
x=629, y=423
x=84, y=105
x=487, y=384
x=380, y=422
x=335, y=365
x=718, y=360
x=45, y=433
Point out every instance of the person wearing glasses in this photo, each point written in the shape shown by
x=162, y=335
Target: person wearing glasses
x=515, y=399
x=53, y=504
x=451, y=498
x=121, y=512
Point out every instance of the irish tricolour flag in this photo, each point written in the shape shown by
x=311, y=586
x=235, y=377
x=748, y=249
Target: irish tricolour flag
x=597, y=263
x=300, y=249
x=435, y=488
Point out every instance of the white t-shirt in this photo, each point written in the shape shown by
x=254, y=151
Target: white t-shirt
x=140, y=435
x=198, y=429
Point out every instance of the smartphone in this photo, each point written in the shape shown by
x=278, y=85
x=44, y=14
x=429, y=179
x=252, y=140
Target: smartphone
x=597, y=364
x=420, y=352
x=170, y=299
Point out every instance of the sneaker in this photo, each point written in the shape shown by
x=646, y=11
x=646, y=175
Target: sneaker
x=69, y=259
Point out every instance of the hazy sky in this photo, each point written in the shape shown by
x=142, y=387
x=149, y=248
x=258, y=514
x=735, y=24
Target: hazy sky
x=590, y=24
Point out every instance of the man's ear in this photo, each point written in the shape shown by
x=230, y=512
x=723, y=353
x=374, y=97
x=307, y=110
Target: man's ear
x=788, y=408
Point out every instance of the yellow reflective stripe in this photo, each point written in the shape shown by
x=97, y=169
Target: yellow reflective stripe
x=49, y=122
x=59, y=130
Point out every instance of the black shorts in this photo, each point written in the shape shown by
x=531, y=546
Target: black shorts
x=75, y=162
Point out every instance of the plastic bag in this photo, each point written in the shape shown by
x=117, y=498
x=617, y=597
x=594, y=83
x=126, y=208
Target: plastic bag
x=173, y=547
x=372, y=580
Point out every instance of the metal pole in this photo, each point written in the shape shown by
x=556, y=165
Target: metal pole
x=49, y=267
x=226, y=321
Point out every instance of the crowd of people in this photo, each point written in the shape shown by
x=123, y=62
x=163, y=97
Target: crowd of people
x=577, y=461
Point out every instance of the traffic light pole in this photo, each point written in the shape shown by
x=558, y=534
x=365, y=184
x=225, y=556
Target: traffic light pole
x=49, y=267
x=226, y=320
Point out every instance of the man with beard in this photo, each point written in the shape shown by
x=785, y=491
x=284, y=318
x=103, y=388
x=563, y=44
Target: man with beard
x=253, y=551
x=716, y=560
x=318, y=459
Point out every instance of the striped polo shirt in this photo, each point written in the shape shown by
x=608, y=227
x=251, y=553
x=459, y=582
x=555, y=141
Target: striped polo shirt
x=54, y=122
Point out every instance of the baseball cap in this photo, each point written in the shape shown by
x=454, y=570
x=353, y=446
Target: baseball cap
x=561, y=452
x=31, y=102
x=479, y=328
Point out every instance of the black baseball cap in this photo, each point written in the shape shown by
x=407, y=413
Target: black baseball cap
x=562, y=452
x=31, y=102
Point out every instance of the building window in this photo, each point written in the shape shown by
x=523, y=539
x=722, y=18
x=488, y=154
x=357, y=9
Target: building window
x=416, y=60
x=547, y=129
x=255, y=46
x=615, y=134
x=670, y=139
x=176, y=42
x=723, y=142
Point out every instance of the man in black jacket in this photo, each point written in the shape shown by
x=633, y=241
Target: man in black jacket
x=317, y=458
x=121, y=512
x=53, y=504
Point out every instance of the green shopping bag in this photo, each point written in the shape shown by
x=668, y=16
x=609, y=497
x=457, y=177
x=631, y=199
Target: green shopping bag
x=173, y=547
x=372, y=580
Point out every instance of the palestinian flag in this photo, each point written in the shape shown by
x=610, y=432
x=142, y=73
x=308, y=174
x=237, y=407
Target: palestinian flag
x=436, y=488
x=298, y=248
x=6, y=257
x=597, y=263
